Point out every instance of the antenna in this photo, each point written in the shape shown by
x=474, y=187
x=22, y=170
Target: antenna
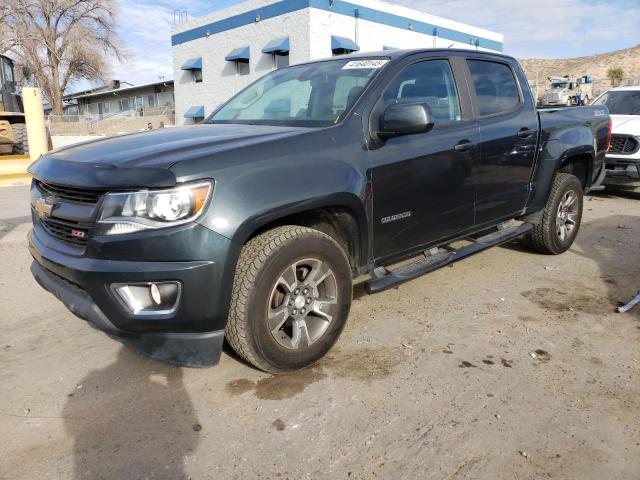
x=180, y=17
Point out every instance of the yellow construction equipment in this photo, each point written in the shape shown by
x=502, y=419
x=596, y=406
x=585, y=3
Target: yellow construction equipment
x=14, y=142
x=19, y=145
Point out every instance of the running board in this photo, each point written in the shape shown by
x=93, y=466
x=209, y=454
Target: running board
x=439, y=260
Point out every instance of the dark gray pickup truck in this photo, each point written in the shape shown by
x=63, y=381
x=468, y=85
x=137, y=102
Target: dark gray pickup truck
x=252, y=226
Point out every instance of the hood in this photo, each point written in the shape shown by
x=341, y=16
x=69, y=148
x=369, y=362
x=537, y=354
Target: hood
x=145, y=158
x=626, y=124
x=165, y=146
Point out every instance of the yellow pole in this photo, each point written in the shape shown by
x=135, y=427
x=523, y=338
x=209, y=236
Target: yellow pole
x=34, y=114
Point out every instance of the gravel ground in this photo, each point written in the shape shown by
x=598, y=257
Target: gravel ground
x=507, y=365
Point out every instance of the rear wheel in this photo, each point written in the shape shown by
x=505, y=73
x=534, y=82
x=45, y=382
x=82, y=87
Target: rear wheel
x=561, y=217
x=291, y=298
x=21, y=142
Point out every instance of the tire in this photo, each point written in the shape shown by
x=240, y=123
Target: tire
x=278, y=322
x=547, y=236
x=21, y=145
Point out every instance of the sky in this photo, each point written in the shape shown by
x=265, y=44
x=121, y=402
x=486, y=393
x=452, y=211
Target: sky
x=539, y=28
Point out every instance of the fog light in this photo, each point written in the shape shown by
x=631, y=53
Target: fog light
x=159, y=298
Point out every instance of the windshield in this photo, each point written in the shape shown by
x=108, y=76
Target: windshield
x=7, y=75
x=557, y=86
x=621, y=102
x=310, y=95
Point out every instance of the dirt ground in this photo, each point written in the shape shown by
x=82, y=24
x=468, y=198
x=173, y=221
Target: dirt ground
x=433, y=380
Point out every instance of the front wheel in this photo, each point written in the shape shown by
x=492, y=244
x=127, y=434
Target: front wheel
x=291, y=297
x=561, y=217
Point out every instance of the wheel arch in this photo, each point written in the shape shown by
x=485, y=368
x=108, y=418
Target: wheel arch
x=341, y=216
x=580, y=165
x=560, y=155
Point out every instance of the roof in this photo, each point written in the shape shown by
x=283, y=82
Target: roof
x=631, y=88
x=121, y=90
x=395, y=54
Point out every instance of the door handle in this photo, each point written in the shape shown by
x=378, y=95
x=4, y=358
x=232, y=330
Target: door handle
x=524, y=132
x=463, y=146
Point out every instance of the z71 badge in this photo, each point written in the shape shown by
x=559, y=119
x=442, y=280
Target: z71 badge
x=397, y=216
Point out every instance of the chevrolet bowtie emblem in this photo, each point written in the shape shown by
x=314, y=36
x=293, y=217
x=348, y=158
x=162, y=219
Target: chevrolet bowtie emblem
x=44, y=206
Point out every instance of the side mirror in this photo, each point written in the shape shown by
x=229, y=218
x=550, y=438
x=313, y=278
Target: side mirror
x=405, y=119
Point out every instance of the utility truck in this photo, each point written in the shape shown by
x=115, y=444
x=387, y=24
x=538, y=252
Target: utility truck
x=568, y=91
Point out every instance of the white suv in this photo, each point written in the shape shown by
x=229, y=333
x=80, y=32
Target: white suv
x=623, y=159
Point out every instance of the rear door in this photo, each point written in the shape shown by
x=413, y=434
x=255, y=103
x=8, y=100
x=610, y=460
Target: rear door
x=508, y=125
x=423, y=184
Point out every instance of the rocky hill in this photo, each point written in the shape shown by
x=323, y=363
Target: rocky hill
x=595, y=65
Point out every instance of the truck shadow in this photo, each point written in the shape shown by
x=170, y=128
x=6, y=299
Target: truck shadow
x=132, y=419
x=613, y=243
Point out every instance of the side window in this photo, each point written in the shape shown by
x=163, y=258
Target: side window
x=430, y=82
x=495, y=87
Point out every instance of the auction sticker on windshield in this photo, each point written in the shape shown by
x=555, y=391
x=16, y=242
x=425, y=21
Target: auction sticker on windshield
x=377, y=63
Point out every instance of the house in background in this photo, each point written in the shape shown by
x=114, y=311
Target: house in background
x=136, y=100
x=119, y=99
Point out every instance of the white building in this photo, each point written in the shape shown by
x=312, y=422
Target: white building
x=217, y=55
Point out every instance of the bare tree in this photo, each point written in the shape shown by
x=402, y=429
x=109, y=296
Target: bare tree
x=6, y=39
x=62, y=40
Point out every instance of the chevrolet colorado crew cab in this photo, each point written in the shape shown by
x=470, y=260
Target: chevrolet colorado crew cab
x=253, y=225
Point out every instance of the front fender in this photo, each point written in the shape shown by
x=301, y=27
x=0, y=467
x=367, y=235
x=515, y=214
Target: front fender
x=244, y=203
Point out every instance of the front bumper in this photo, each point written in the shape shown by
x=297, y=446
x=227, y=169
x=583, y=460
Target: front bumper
x=622, y=172
x=192, y=335
x=184, y=349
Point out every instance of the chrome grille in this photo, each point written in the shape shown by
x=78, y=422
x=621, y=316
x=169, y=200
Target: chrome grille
x=623, y=144
x=72, y=194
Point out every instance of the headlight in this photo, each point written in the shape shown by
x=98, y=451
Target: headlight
x=133, y=211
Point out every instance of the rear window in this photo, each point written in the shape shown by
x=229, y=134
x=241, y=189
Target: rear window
x=495, y=87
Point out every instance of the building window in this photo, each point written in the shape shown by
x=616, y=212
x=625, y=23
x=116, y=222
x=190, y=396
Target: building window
x=280, y=61
x=279, y=50
x=151, y=100
x=138, y=103
x=124, y=104
x=240, y=56
x=242, y=68
x=194, y=65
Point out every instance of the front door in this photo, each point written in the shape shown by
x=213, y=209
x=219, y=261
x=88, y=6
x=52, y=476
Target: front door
x=423, y=184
